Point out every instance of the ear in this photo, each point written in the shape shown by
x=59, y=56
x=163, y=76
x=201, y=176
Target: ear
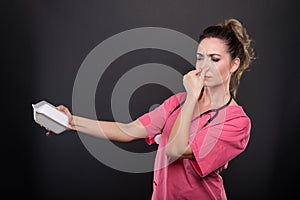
x=235, y=63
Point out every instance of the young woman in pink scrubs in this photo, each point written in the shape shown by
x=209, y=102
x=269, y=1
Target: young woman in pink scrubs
x=199, y=130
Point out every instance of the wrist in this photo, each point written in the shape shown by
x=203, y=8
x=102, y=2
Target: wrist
x=73, y=120
x=191, y=99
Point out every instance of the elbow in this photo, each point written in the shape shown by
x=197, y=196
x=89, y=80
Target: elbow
x=173, y=152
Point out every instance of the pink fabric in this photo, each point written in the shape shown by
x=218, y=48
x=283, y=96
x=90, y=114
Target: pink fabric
x=214, y=146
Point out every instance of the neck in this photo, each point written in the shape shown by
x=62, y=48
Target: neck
x=214, y=97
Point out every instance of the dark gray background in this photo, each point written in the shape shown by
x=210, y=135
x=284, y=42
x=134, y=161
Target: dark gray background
x=43, y=45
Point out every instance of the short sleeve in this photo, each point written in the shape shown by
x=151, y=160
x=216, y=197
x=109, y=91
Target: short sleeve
x=154, y=121
x=216, y=145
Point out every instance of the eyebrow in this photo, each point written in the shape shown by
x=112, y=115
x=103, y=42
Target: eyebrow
x=212, y=54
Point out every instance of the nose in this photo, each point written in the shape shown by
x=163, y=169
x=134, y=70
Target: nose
x=203, y=64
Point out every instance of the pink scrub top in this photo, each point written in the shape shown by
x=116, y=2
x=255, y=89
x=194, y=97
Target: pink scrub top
x=213, y=147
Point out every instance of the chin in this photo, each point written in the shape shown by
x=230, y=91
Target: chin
x=213, y=84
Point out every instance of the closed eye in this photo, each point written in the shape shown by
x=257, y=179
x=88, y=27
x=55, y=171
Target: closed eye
x=215, y=59
x=199, y=56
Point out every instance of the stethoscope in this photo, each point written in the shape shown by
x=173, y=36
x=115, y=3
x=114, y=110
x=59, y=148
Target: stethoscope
x=215, y=111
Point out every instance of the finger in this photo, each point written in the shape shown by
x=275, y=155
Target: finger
x=61, y=107
x=203, y=72
x=201, y=77
x=49, y=133
x=198, y=72
x=195, y=71
x=64, y=109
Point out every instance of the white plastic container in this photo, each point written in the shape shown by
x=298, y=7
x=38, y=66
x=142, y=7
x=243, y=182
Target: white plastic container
x=49, y=117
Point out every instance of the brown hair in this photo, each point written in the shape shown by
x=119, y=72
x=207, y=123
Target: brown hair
x=239, y=45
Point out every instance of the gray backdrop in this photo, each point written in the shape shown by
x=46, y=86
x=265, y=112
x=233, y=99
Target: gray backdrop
x=44, y=44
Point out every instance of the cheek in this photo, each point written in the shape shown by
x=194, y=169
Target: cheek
x=222, y=69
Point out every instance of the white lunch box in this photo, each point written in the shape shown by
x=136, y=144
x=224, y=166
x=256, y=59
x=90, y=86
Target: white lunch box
x=49, y=117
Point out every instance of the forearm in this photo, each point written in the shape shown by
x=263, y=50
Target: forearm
x=178, y=143
x=103, y=129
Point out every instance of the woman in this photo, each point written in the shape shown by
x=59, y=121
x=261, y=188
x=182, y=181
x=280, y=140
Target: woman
x=202, y=129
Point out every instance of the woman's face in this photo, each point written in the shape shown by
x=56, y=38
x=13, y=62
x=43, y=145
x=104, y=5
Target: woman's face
x=214, y=59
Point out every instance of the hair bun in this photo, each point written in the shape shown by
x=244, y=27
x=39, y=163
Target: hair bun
x=242, y=35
